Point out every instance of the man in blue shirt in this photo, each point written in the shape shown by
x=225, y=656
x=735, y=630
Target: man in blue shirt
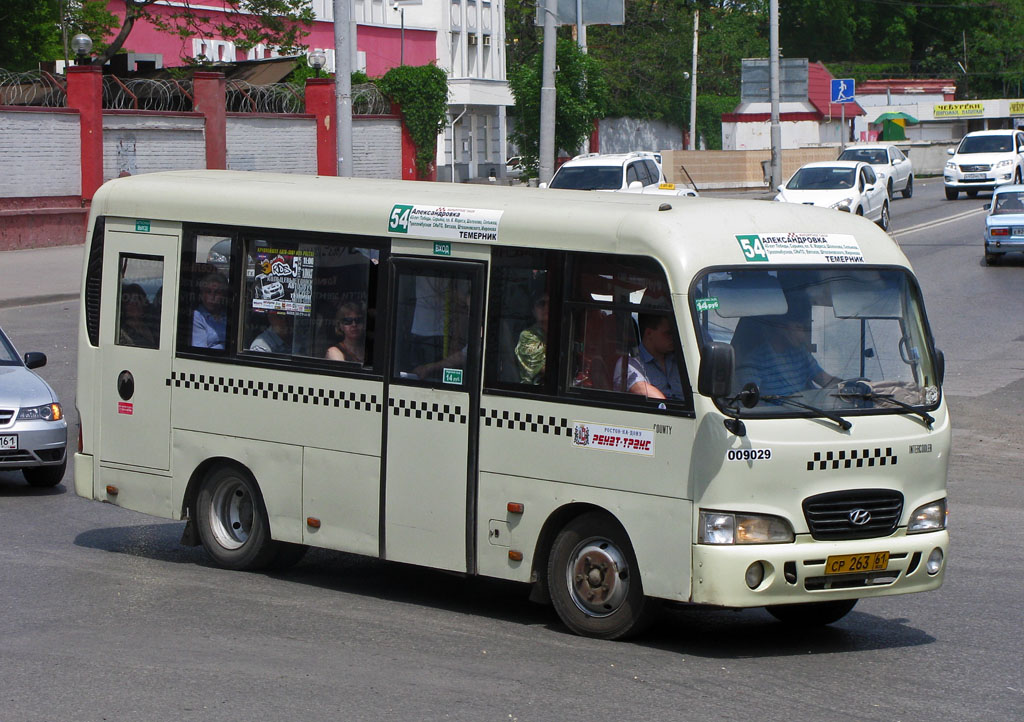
x=654, y=372
x=210, y=321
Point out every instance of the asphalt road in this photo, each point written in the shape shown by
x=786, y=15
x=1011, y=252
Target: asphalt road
x=106, y=617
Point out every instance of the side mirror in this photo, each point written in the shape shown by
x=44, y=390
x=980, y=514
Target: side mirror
x=717, y=362
x=950, y=151
x=940, y=366
x=35, y=359
x=542, y=185
x=986, y=207
x=636, y=185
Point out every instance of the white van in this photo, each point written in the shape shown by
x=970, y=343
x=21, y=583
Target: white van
x=617, y=399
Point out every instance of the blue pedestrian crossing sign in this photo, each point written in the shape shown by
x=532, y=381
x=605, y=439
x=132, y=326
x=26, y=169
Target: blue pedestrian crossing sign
x=843, y=90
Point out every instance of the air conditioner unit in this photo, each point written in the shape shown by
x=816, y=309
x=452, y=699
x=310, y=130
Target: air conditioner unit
x=471, y=39
x=487, y=40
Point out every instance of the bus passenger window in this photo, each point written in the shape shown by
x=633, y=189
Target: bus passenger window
x=623, y=332
x=138, y=312
x=432, y=326
x=205, y=291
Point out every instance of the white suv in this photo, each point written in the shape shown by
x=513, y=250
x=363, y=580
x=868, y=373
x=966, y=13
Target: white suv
x=636, y=172
x=984, y=160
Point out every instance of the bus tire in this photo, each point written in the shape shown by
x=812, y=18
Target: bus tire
x=232, y=520
x=594, y=580
x=812, y=614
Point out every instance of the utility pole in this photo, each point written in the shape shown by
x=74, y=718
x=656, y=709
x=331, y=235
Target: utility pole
x=343, y=43
x=547, y=95
x=773, y=83
x=692, y=145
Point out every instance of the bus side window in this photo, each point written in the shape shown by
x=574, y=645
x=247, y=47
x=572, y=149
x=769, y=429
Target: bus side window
x=205, y=291
x=138, y=309
x=525, y=294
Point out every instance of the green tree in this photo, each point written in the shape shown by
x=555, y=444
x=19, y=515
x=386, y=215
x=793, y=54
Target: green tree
x=581, y=98
x=31, y=33
x=247, y=23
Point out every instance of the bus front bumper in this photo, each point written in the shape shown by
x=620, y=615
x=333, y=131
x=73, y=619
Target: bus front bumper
x=811, y=571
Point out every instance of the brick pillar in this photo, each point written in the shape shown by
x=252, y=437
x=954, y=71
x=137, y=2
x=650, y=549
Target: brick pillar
x=595, y=137
x=85, y=94
x=409, y=171
x=321, y=101
x=210, y=98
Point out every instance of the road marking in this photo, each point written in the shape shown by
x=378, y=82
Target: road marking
x=933, y=224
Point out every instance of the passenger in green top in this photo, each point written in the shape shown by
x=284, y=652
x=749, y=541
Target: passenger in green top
x=531, y=350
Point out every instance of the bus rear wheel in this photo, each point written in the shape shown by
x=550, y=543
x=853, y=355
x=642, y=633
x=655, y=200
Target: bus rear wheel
x=812, y=614
x=232, y=521
x=594, y=581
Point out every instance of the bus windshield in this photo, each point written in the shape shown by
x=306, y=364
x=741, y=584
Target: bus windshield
x=850, y=340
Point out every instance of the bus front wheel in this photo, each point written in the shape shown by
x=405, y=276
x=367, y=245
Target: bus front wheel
x=812, y=614
x=233, y=522
x=594, y=581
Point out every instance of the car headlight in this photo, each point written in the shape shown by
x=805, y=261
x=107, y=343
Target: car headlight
x=719, y=527
x=843, y=205
x=1004, y=163
x=930, y=517
x=950, y=165
x=46, y=412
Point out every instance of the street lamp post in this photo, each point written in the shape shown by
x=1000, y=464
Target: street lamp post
x=317, y=59
x=400, y=6
x=82, y=45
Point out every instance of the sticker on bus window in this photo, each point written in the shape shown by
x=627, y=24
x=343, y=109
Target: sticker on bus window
x=445, y=223
x=800, y=248
x=452, y=376
x=283, y=280
x=706, y=304
x=613, y=438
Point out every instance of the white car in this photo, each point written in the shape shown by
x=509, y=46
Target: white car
x=893, y=168
x=844, y=185
x=609, y=172
x=984, y=160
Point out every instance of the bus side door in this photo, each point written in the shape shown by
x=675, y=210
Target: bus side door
x=136, y=339
x=432, y=414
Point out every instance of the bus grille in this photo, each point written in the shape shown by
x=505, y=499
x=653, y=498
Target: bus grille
x=856, y=514
x=5, y=416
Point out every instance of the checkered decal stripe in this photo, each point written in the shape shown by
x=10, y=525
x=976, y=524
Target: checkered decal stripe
x=429, y=411
x=853, y=459
x=276, y=392
x=536, y=423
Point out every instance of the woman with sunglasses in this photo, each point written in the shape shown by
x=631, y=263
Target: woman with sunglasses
x=350, y=325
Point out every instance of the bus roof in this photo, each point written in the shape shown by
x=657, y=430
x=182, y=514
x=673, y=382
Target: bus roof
x=689, y=234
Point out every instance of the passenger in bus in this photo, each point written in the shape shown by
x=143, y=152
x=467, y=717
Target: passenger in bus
x=774, y=352
x=654, y=371
x=531, y=349
x=277, y=337
x=135, y=329
x=350, y=326
x=209, y=322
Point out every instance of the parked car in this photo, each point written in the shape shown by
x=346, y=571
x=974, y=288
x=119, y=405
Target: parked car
x=609, y=172
x=514, y=166
x=1004, y=224
x=984, y=160
x=894, y=170
x=844, y=185
x=33, y=431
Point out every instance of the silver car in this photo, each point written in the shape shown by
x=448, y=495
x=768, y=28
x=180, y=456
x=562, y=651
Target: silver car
x=33, y=431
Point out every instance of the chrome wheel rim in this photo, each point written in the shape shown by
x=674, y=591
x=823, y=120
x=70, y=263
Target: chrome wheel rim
x=597, y=577
x=231, y=514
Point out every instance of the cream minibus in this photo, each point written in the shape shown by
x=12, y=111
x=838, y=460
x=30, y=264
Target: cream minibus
x=621, y=400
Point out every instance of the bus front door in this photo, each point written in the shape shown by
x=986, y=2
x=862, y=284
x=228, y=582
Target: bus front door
x=432, y=413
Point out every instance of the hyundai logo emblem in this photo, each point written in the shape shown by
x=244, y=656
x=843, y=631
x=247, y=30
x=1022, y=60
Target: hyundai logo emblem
x=860, y=517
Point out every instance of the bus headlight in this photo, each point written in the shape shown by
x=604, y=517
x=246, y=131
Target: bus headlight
x=930, y=517
x=718, y=527
x=46, y=412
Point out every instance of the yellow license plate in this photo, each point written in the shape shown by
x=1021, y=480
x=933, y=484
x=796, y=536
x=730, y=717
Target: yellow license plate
x=857, y=563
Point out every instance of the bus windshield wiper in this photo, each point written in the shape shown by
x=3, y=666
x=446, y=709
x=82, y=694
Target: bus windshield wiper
x=789, y=400
x=875, y=396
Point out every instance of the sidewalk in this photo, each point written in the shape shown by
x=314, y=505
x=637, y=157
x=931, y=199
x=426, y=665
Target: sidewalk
x=40, y=275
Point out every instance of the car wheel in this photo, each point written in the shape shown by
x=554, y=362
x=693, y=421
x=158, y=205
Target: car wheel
x=951, y=194
x=43, y=476
x=812, y=614
x=232, y=520
x=1016, y=175
x=909, y=190
x=972, y=194
x=883, y=219
x=594, y=581
x=889, y=189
